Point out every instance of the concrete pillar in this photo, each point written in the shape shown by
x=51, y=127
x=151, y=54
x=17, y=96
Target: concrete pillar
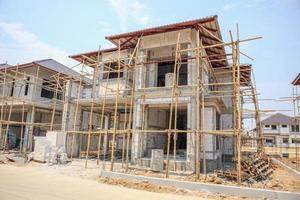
x=106, y=126
x=101, y=70
x=28, y=129
x=145, y=135
x=136, y=151
x=191, y=114
x=136, y=137
x=152, y=75
x=66, y=107
x=191, y=137
x=192, y=68
x=105, y=138
x=140, y=70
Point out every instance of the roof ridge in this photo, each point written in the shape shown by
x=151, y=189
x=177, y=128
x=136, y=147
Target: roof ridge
x=42, y=60
x=161, y=26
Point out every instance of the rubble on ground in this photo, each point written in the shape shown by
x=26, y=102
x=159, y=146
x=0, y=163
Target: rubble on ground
x=255, y=167
x=12, y=158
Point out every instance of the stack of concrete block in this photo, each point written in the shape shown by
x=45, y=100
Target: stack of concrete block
x=42, y=148
x=157, y=160
x=52, y=155
x=50, y=149
x=56, y=138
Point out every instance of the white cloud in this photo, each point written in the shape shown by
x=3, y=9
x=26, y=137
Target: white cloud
x=228, y=7
x=21, y=46
x=130, y=11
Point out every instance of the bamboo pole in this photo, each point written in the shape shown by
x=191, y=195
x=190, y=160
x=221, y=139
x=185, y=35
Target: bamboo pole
x=130, y=119
x=91, y=113
x=171, y=106
x=76, y=113
x=198, y=109
x=102, y=114
x=22, y=127
x=2, y=108
x=125, y=121
x=238, y=104
x=124, y=134
x=116, y=109
x=129, y=130
x=22, y=116
x=202, y=124
x=33, y=109
x=89, y=134
x=55, y=101
x=143, y=127
x=175, y=117
x=10, y=111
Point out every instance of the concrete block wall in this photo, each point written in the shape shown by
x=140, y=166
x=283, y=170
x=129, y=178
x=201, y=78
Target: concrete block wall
x=165, y=39
x=227, y=143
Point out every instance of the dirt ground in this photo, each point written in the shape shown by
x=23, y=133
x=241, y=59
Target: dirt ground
x=292, y=162
x=39, y=181
x=279, y=180
x=59, y=181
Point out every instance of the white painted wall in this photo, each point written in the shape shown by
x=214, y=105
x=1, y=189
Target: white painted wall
x=279, y=129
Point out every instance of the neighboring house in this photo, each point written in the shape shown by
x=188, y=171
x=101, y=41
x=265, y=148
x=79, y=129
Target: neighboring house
x=280, y=130
x=27, y=95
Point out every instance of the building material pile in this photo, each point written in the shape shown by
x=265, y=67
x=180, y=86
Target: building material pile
x=47, y=149
x=256, y=167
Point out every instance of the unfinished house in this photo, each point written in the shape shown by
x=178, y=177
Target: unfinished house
x=31, y=103
x=163, y=98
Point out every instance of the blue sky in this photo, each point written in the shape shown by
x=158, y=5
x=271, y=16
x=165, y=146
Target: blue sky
x=36, y=29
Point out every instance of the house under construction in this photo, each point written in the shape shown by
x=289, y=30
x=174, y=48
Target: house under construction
x=168, y=98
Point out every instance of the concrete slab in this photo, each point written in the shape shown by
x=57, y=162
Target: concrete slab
x=207, y=187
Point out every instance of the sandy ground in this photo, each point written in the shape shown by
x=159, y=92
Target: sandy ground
x=39, y=181
x=29, y=183
x=292, y=162
x=73, y=181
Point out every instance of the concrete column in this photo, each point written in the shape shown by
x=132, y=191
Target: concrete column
x=69, y=127
x=106, y=121
x=145, y=135
x=28, y=129
x=191, y=114
x=152, y=75
x=105, y=138
x=136, y=137
x=136, y=151
x=192, y=68
x=191, y=137
x=141, y=69
x=66, y=107
x=101, y=70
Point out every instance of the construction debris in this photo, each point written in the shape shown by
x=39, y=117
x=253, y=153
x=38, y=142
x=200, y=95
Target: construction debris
x=255, y=167
x=3, y=159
